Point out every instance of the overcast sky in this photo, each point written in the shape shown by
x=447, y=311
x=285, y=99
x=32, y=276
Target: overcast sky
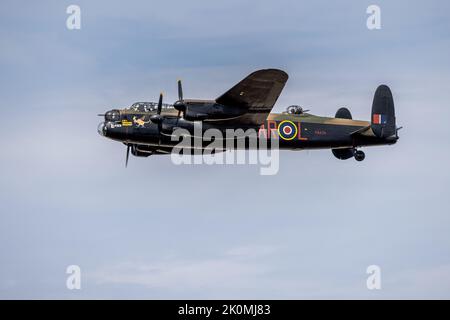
x=156, y=230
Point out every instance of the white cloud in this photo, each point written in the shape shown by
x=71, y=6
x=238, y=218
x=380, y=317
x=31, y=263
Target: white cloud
x=233, y=269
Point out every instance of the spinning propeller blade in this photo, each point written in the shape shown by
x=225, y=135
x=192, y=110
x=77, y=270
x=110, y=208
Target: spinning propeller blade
x=128, y=154
x=160, y=103
x=179, y=105
x=180, y=91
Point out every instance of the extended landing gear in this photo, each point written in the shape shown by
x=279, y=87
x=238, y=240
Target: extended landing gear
x=359, y=155
x=347, y=153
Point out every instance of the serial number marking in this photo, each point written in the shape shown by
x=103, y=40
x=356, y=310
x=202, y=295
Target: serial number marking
x=253, y=310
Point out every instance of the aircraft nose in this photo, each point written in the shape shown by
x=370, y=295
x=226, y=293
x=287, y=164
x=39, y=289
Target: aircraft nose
x=101, y=129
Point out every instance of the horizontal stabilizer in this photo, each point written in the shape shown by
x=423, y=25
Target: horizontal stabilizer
x=361, y=131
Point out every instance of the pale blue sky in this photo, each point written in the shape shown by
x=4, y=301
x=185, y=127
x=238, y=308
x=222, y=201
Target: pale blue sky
x=155, y=230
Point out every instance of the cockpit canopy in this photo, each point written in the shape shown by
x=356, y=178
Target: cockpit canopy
x=148, y=106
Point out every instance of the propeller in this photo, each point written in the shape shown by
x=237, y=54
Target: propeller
x=160, y=104
x=157, y=118
x=180, y=91
x=128, y=155
x=179, y=105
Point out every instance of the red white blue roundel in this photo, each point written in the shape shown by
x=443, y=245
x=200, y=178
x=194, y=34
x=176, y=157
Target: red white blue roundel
x=287, y=130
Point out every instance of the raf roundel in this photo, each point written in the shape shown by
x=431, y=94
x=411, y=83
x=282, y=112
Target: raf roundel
x=287, y=130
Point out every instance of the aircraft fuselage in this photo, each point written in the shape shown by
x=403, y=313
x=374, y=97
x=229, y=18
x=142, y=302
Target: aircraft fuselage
x=294, y=132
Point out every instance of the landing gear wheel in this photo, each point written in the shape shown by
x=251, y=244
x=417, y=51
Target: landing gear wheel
x=359, y=155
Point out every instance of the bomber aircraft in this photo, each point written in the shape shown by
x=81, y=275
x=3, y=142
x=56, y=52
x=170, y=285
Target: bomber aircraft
x=147, y=128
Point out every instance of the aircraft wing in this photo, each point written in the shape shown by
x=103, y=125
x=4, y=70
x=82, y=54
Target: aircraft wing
x=255, y=95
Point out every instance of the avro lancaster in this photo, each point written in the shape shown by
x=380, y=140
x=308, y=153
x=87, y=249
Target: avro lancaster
x=146, y=128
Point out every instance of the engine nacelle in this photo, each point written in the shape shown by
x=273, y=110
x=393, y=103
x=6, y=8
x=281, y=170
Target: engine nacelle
x=198, y=110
